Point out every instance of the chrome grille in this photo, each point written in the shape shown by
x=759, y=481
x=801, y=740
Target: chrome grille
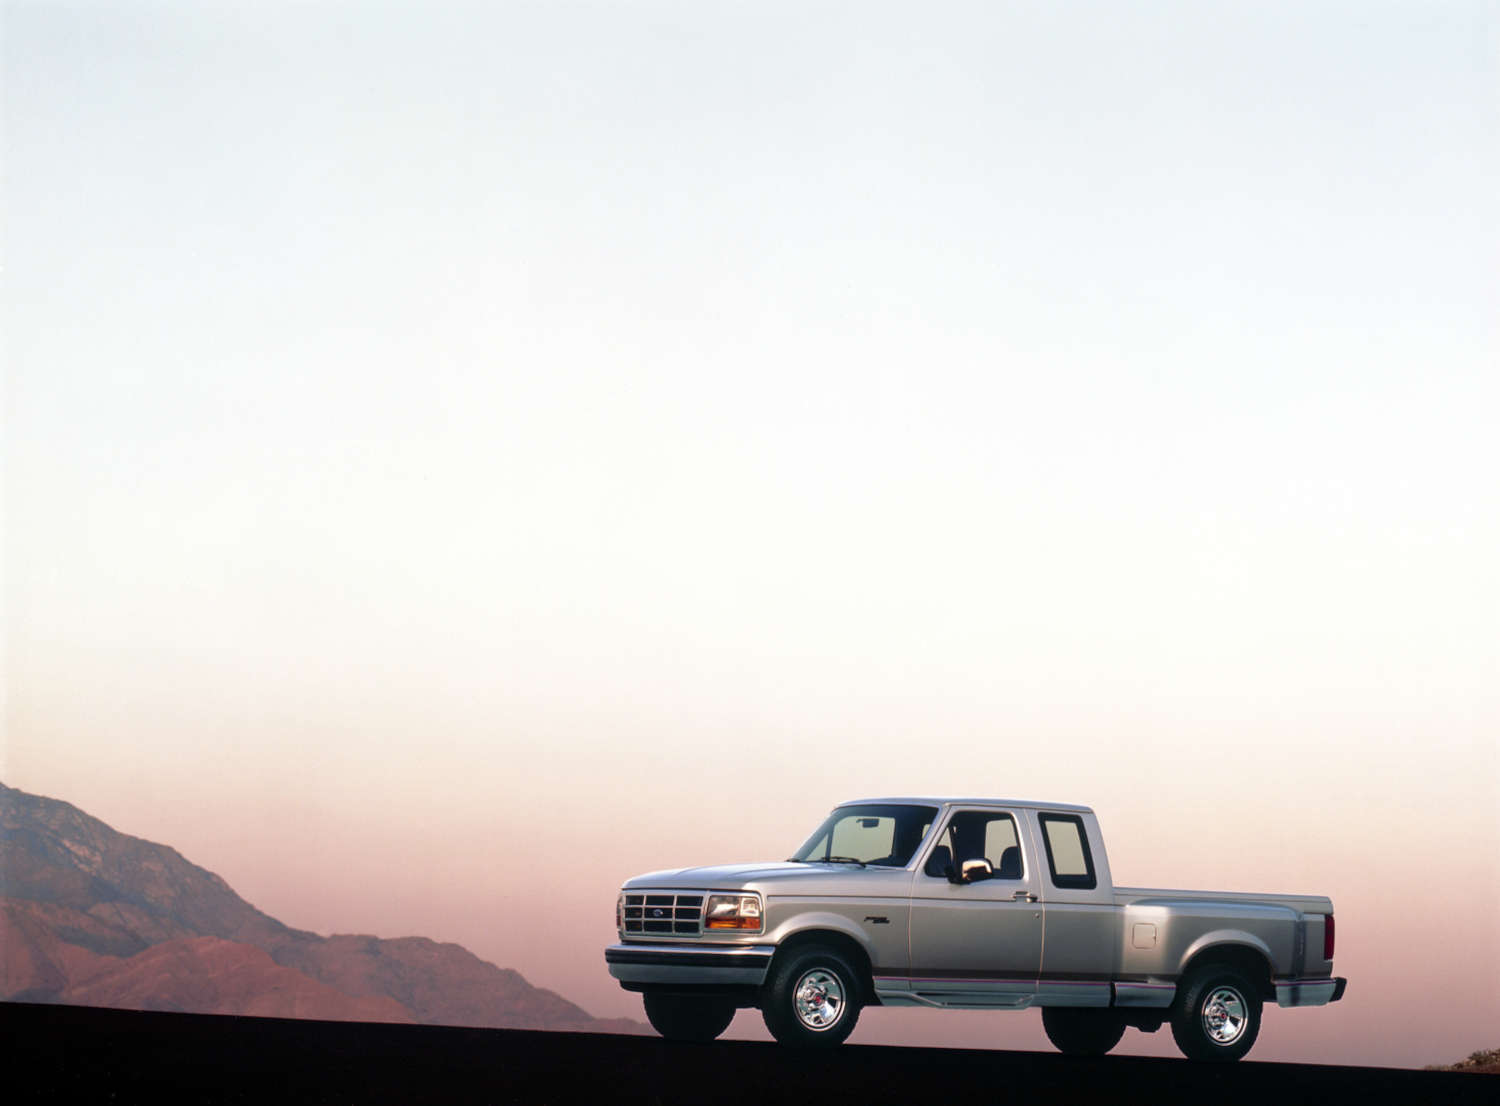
x=664, y=912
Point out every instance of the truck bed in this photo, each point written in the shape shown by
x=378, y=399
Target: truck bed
x=1154, y=896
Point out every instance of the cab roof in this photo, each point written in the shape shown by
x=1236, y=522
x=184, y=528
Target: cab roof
x=943, y=800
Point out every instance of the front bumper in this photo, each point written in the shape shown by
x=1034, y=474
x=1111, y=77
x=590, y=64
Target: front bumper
x=689, y=965
x=1309, y=992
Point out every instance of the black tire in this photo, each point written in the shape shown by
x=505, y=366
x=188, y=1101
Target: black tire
x=812, y=998
x=1082, y=1032
x=1217, y=1015
x=688, y=1017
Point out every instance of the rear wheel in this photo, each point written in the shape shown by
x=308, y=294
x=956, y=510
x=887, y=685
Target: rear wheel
x=1082, y=1032
x=688, y=1017
x=1217, y=1015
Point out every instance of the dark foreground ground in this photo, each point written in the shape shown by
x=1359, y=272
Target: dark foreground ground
x=65, y=1054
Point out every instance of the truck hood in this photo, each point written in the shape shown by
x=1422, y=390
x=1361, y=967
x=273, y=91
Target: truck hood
x=779, y=873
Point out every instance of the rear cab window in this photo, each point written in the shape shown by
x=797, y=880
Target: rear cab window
x=1069, y=861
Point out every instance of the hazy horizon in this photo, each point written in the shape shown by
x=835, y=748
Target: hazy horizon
x=463, y=452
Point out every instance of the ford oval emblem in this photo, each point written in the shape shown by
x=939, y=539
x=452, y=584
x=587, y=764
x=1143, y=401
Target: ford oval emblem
x=658, y=912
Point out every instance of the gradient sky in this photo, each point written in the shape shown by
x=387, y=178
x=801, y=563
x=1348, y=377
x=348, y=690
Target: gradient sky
x=458, y=457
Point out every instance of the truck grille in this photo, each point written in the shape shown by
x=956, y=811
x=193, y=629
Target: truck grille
x=667, y=914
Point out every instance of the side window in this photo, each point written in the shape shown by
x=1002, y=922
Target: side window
x=978, y=835
x=999, y=835
x=1068, y=851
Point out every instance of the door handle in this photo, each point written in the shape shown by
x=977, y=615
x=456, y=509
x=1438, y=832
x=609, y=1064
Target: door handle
x=1024, y=896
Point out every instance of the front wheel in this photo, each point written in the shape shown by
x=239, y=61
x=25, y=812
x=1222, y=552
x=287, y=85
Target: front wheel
x=1082, y=1032
x=811, y=999
x=1217, y=1016
x=688, y=1017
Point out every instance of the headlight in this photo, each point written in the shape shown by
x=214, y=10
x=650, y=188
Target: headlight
x=620, y=911
x=732, y=912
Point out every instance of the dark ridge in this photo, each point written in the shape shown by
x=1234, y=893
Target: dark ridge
x=65, y=1053
x=89, y=915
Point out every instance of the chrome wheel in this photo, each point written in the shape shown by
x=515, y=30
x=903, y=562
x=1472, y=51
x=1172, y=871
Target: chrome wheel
x=818, y=999
x=1216, y=1015
x=1224, y=1015
x=812, y=996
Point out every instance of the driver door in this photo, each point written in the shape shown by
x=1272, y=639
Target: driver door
x=976, y=943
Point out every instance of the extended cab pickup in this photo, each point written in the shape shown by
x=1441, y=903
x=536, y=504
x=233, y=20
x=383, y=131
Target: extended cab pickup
x=970, y=904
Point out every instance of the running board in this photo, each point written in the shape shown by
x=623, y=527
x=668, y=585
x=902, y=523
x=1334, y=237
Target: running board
x=954, y=1000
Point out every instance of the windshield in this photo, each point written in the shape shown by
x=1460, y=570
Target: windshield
x=884, y=835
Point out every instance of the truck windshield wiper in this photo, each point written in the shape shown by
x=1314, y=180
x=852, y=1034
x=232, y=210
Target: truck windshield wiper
x=843, y=860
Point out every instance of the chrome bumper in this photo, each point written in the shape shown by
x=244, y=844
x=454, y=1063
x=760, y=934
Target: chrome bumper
x=689, y=964
x=1309, y=992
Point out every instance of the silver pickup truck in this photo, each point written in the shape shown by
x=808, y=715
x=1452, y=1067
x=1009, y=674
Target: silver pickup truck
x=966, y=904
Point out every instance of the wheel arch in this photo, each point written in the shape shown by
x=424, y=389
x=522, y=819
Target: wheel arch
x=1239, y=952
x=839, y=940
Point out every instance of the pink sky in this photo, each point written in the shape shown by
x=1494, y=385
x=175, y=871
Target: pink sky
x=522, y=869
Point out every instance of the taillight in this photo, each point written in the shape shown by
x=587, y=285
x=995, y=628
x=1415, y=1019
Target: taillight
x=1328, y=937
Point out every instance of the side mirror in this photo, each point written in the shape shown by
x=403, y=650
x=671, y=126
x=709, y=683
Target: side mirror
x=975, y=870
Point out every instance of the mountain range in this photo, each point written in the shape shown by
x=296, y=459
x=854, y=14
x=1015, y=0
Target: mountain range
x=93, y=917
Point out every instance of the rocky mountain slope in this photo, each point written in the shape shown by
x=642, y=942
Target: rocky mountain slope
x=95, y=917
x=1483, y=1062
